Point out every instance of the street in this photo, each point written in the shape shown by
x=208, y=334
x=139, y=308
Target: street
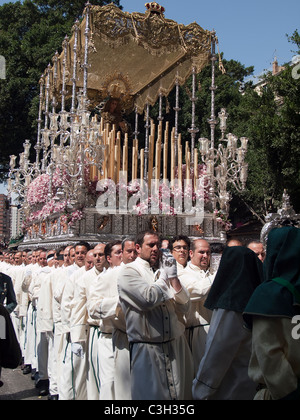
x=18, y=386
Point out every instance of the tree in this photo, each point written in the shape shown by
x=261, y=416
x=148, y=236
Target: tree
x=30, y=33
x=271, y=121
x=295, y=39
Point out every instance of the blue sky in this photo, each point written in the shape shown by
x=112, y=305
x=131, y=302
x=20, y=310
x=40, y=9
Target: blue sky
x=253, y=32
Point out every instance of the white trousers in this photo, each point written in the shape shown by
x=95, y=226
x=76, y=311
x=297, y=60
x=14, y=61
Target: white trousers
x=65, y=384
x=30, y=339
x=93, y=380
x=106, y=367
x=47, y=363
x=72, y=372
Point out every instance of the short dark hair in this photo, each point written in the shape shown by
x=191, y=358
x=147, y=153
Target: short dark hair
x=141, y=236
x=83, y=243
x=234, y=238
x=217, y=248
x=126, y=240
x=179, y=238
x=61, y=249
x=108, y=247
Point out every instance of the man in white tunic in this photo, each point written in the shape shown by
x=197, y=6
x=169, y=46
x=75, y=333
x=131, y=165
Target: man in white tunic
x=16, y=273
x=122, y=381
x=84, y=330
x=30, y=360
x=102, y=306
x=44, y=324
x=161, y=363
x=179, y=247
x=198, y=278
x=67, y=357
x=57, y=279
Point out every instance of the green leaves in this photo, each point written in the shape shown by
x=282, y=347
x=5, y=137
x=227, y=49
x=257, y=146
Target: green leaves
x=30, y=34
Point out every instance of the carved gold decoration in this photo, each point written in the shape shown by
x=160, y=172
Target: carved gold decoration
x=199, y=230
x=118, y=86
x=154, y=224
x=102, y=223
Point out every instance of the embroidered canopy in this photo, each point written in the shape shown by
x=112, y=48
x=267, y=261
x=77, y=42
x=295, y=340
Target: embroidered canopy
x=136, y=56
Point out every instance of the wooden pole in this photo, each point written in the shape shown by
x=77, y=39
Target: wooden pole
x=180, y=165
x=187, y=161
x=118, y=157
x=165, y=160
x=133, y=164
x=151, y=154
x=195, y=167
x=158, y=155
x=142, y=164
x=125, y=157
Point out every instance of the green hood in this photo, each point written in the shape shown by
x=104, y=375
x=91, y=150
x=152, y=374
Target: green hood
x=239, y=273
x=279, y=294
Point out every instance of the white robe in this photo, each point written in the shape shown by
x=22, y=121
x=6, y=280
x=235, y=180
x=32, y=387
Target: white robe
x=85, y=330
x=161, y=363
x=198, y=283
x=102, y=306
x=73, y=373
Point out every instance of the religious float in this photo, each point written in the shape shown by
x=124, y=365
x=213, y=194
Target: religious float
x=96, y=177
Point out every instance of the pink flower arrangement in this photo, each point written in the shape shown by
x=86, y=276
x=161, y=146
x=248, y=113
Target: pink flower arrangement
x=222, y=218
x=37, y=196
x=38, y=190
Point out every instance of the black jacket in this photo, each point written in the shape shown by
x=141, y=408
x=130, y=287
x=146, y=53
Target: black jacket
x=7, y=294
x=10, y=351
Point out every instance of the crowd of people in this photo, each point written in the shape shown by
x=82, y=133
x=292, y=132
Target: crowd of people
x=146, y=319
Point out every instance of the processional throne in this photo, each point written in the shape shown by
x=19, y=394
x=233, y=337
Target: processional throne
x=94, y=181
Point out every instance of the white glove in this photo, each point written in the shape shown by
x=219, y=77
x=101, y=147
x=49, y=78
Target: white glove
x=77, y=349
x=169, y=264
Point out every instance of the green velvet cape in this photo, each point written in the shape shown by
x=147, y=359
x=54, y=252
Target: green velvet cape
x=279, y=294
